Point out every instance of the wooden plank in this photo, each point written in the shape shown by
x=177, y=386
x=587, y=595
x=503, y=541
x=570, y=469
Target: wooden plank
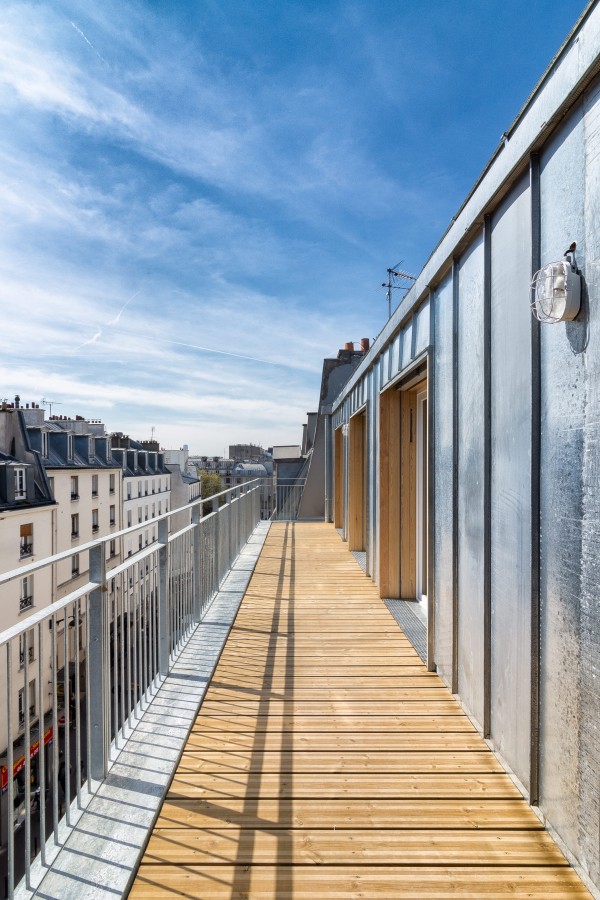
x=326, y=708
x=350, y=882
x=302, y=761
x=351, y=724
x=422, y=814
x=330, y=741
x=392, y=847
x=384, y=786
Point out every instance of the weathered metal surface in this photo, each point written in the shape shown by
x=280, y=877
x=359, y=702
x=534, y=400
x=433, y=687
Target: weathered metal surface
x=421, y=329
x=470, y=481
x=563, y=412
x=511, y=480
x=589, y=728
x=442, y=361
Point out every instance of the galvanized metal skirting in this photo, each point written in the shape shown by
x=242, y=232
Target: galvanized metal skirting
x=409, y=617
x=99, y=857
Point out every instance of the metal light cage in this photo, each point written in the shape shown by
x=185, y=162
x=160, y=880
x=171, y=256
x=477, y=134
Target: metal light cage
x=556, y=292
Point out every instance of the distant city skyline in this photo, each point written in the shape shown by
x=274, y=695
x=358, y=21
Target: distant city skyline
x=200, y=200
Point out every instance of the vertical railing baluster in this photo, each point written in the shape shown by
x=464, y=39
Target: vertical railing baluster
x=42, y=753
x=97, y=684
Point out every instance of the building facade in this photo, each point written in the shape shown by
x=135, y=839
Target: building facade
x=461, y=456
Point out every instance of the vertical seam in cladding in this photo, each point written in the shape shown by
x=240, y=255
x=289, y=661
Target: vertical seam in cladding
x=534, y=176
x=487, y=475
x=431, y=626
x=455, y=611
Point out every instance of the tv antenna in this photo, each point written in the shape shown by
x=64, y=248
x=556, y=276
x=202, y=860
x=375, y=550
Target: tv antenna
x=391, y=285
x=50, y=403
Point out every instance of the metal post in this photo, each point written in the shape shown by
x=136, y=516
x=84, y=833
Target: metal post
x=99, y=733
x=196, y=516
x=217, y=519
x=163, y=617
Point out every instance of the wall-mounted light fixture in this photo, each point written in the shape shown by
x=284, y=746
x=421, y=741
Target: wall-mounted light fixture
x=556, y=290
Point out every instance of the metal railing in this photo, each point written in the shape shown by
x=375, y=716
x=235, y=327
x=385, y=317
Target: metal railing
x=76, y=675
x=288, y=494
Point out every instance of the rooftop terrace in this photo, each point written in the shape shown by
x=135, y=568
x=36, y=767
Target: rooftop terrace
x=327, y=762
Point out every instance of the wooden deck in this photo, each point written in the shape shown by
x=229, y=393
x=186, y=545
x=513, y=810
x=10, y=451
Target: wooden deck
x=326, y=762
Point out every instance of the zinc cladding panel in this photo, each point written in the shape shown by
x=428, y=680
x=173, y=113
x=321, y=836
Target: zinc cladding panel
x=407, y=343
x=511, y=480
x=471, y=480
x=442, y=361
x=562, y=420
x=590, y=576
x=421, y=326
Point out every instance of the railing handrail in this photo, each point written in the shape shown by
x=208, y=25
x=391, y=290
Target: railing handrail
x=13, y=574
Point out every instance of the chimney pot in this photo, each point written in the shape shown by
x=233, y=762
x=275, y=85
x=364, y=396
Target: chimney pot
x=364, y=344
x=349, y=345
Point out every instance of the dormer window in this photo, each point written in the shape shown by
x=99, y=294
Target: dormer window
x=20, y=484
x=70, y=447
x=45, y=444
x=91, y=448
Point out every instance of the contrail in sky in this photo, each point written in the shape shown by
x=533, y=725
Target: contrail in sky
x=114, y=321
x=92, y=340
x=79, y=31
x=123, y=308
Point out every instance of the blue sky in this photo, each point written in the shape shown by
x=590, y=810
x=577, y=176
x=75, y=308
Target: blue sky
x=200, y=199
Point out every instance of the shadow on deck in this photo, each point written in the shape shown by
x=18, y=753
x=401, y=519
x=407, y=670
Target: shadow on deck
x=326, y=762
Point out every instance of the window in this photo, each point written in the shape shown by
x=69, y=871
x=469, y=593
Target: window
x=75, y=565
x=166, y=506
x=94, y=485
x=113, y=550
x=146, y=487
x=112, y=515
x=145, y=513
x=95, y=525
x=140, y=541
x=51, y=484
x=153, y=510
x=129, y=490
x=45, y=444
x=26, y=535
x=75, y=525
x=30, y=700
x=129, y=518
x=111, y=483
x=92, y=448
x=69, y=447
x=29, y=638
x=20, y=484
x=26, y=601
x=139, y=488
x=146, y=536
x=74, y=487
x=160, y=507
x=139, y=514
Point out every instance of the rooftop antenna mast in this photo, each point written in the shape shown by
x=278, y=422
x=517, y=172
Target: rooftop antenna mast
x=49, y=404
x=391, y=286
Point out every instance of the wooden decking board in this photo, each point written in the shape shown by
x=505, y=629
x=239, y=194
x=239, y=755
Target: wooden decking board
x=326, y=762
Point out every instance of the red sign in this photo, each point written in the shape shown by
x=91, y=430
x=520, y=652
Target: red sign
x=20, y=763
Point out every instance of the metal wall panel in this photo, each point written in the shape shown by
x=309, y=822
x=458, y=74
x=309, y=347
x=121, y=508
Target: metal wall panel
x=421, y=327
x=563, y=411
x=396, y=355
x=373, y=451
x=442, y=362
x=511, y=480
x=470, y=481
x=407, y=344
x=589, y=729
